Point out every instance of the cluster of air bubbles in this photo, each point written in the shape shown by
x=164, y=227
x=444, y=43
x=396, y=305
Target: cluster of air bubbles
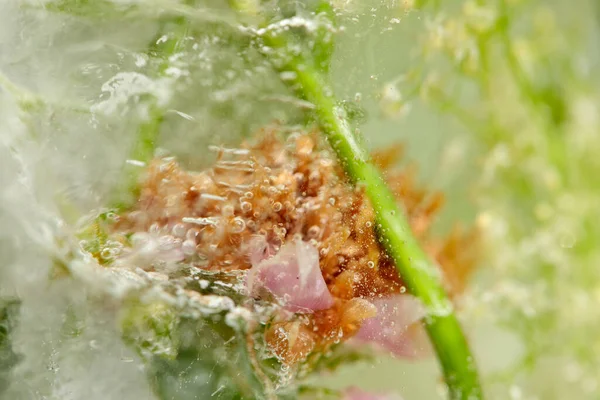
x=111, y=250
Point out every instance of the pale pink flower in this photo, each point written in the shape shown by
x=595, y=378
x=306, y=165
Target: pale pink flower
x=292, y=275
x=396, y=327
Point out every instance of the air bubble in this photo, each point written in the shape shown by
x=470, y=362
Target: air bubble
x=238, y=225
x=313, y=231
x=246, y=206
x=188, y=247
x=154, y=229
x=106, y=254
x=248, y=195
x=289, y=207
x=371, y=264
x=277, y=206
x=192, y=234
x=178, y=230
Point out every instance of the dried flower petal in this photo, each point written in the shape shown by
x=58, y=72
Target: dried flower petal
x=293, y=275
x=354, y=393
x=395, y=328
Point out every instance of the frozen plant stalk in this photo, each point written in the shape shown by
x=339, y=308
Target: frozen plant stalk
x=415, y=267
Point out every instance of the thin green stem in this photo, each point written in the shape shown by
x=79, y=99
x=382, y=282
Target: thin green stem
x=323, y=42
x=165, y=45
x=421, y=275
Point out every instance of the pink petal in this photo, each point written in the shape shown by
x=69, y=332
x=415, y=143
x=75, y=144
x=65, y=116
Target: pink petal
x=294, y=276
x=389, y=329
x=354, y=393
x=259, y=249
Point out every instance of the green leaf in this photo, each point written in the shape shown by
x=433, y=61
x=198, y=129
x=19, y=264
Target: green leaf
x=212, y=362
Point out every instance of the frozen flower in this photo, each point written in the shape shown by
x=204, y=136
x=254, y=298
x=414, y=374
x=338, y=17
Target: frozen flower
x=293, y=275
x=354, y=393
x=395, y=328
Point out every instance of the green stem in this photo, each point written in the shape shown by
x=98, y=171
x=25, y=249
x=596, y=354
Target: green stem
x=323, y=42
x=421, y=275
x=148, y=132
x=142, y=151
